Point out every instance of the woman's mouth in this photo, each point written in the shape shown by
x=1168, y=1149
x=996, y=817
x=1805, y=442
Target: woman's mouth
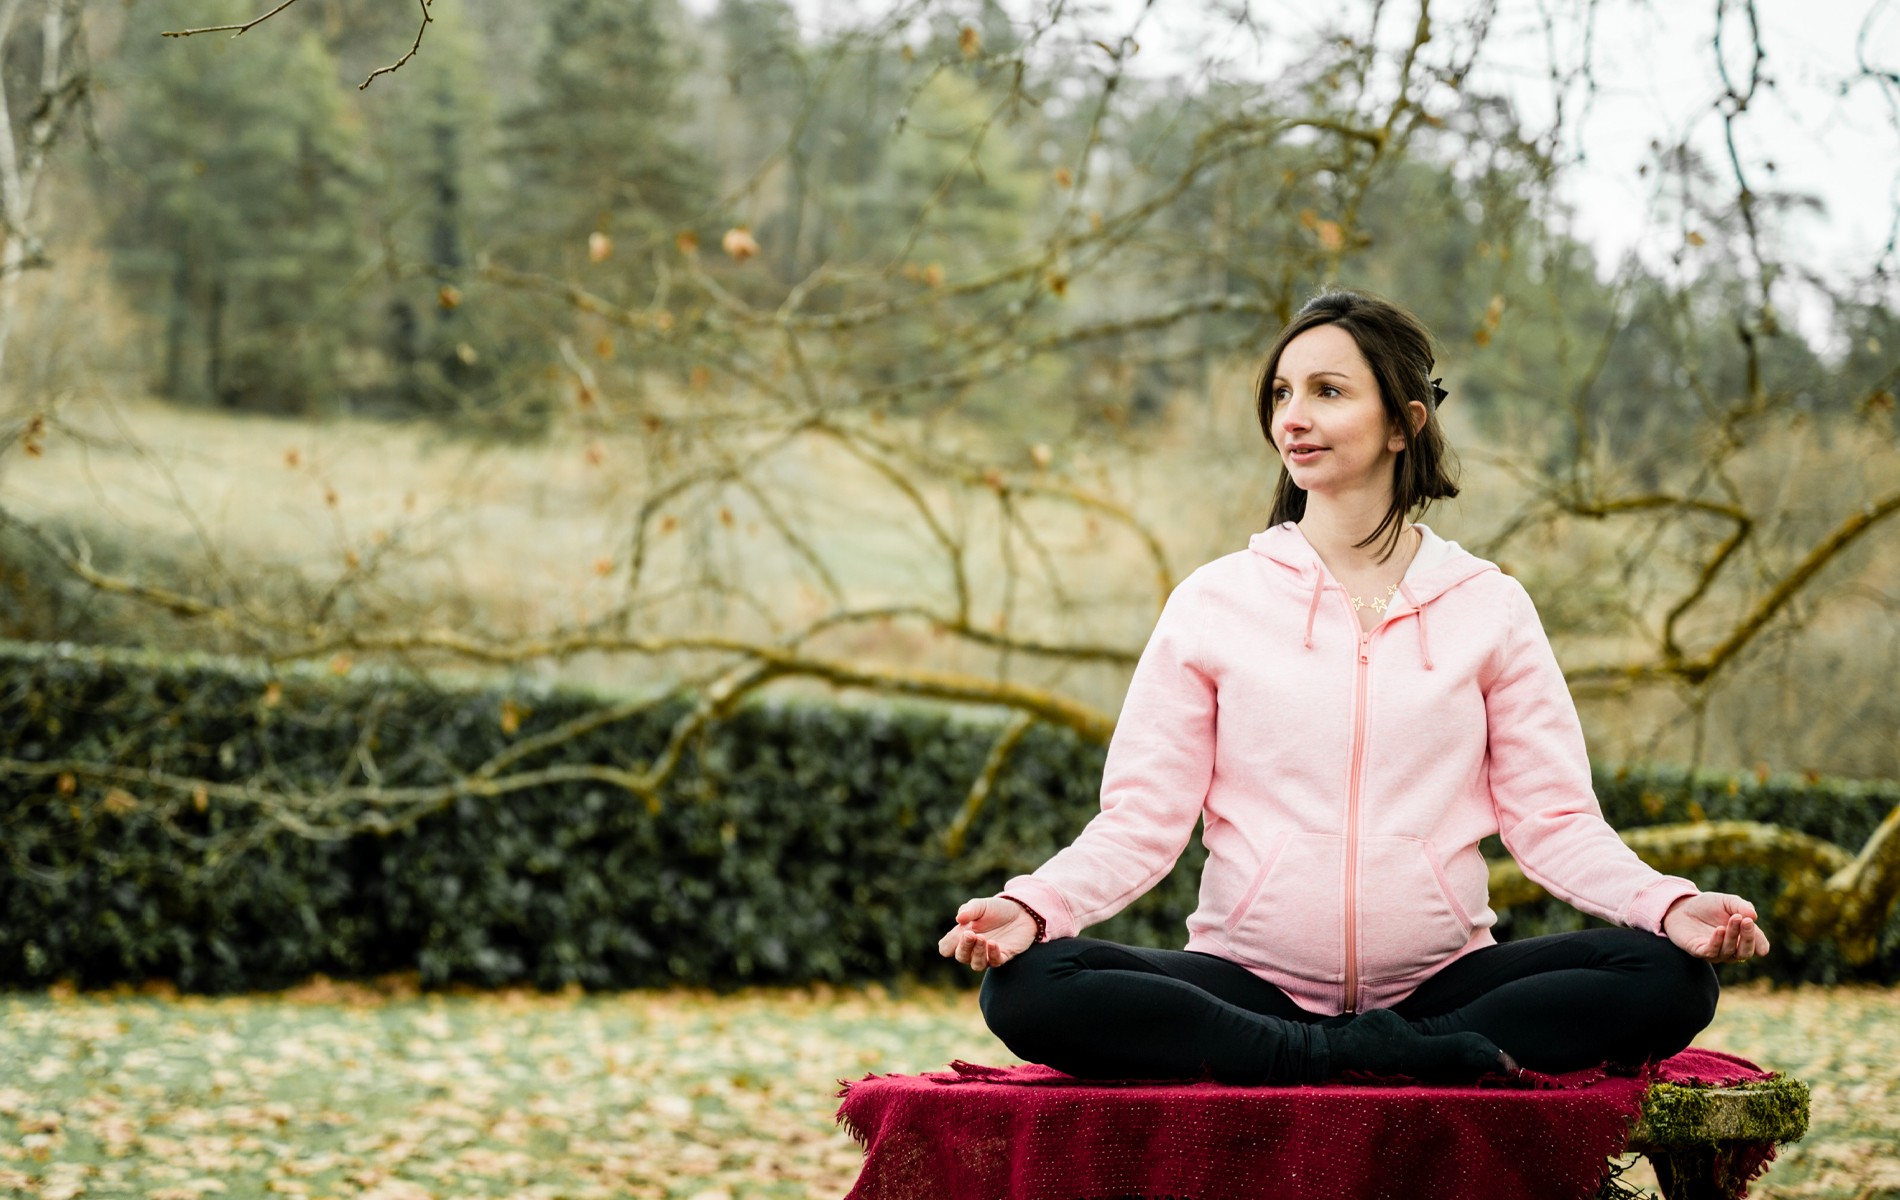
x=1305, y=454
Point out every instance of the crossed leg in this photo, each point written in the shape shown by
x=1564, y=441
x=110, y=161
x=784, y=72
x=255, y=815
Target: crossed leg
x=1572, y=1000
x=1100, y=1010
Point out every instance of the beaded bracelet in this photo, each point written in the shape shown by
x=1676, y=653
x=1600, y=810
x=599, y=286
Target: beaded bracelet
x=1042, y=926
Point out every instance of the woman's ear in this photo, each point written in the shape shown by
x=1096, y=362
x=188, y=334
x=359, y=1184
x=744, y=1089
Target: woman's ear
x=1417, y=413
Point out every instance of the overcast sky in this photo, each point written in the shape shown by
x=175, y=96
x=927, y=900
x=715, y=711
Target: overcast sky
x=1655, y=79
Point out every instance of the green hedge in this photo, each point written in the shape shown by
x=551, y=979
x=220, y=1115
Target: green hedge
x=798, y=841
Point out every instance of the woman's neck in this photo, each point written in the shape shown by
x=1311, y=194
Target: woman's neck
x=1335, y=529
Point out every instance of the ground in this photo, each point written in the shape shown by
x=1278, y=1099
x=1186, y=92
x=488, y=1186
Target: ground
x=384, y=1094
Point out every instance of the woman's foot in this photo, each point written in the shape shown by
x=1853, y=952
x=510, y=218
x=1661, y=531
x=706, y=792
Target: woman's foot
x=1381, y=1042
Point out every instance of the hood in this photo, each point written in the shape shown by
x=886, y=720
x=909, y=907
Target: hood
x=1438, y=567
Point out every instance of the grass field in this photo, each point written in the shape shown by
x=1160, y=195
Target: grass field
x=345, y=1091
x=404, y=526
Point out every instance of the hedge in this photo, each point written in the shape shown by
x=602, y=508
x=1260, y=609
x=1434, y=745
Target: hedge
x=798, y=841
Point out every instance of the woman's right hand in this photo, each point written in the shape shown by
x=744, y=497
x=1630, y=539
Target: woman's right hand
x=988, y=933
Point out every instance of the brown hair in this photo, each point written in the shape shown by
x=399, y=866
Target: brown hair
x=1398, y=348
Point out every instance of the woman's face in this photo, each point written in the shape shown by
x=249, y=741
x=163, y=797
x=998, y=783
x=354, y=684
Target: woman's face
x=1329, y=423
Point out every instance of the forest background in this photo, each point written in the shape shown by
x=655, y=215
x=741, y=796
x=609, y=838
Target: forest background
x=908, y=352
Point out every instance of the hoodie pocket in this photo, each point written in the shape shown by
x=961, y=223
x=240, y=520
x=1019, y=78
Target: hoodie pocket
x=1292, y=918
x=1409, y=919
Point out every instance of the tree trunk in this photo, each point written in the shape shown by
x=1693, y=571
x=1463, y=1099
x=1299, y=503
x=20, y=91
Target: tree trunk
x=214, y=345
x=172, y=384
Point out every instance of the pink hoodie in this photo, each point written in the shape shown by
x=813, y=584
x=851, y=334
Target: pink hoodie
x=1345, y=776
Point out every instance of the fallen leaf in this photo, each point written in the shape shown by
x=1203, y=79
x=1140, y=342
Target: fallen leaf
x=739, y=243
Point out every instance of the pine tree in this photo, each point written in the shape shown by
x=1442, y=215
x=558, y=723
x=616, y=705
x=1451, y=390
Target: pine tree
x=596, y=151
x=238, y=218
x=435, y=339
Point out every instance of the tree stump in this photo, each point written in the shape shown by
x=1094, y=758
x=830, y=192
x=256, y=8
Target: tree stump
x=1704, y=1142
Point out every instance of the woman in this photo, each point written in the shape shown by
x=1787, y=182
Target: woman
x=1348, y=705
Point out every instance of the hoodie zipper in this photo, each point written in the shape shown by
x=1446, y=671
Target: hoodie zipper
x=1360, y=671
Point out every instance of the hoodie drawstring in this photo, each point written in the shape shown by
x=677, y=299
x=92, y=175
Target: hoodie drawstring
x=1418, y=610
x=1424, y=647
x=1313, y=608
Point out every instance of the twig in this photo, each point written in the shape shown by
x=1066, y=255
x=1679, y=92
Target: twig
x=420, y=28
x=240, y=30
x=234, y=30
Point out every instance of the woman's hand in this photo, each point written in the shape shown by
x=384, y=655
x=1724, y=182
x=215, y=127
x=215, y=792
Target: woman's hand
x=988, y=933
x=1715, y=926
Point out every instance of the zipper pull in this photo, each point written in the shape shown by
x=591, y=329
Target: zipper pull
x=1364, y=638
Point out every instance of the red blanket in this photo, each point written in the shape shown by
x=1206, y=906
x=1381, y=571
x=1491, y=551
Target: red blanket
x=1032, y=1133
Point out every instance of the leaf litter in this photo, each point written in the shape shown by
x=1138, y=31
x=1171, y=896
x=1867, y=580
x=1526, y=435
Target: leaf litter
x=382, y=1093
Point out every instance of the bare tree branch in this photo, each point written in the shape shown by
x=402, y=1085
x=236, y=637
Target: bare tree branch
x=239, y=30
x=234, y=30
x=984, y=782
x=1830, y=893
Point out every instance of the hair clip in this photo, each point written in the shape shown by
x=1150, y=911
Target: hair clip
x=1438, y=393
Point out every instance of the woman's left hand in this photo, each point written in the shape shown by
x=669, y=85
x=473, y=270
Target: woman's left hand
x=1715, y=926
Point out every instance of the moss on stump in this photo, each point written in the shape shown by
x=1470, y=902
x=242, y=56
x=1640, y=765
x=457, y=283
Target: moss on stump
x=1678, y=1115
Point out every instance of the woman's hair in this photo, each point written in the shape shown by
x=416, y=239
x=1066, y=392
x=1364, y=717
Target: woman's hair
x=1398, y=348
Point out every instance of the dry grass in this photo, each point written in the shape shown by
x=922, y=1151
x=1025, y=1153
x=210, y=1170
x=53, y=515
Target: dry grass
x=412, y=526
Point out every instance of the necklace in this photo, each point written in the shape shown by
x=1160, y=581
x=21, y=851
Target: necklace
x=1377, y=603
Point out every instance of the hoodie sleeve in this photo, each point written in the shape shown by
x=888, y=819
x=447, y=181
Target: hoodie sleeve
x=1159, y=765
x=1547, y=808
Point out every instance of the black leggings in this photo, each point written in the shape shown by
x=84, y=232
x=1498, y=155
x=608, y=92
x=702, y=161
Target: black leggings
x=1098, y=1010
